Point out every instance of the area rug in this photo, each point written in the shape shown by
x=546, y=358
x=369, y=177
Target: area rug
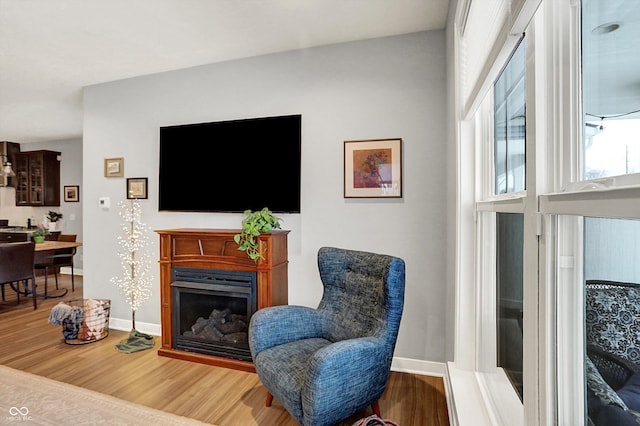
x=25, y=397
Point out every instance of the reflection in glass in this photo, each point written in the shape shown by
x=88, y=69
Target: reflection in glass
x=612, y=319
x=610, y=87
x=510, y=232
x=509, y=119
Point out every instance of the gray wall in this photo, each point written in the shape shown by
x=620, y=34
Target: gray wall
x=382, y=88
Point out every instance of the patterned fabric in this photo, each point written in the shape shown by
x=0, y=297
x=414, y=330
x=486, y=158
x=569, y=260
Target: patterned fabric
x=612, y=317
x=375, y=421
x=325, y=364
x=96, y=319
x=596, y=383
x=610, y=408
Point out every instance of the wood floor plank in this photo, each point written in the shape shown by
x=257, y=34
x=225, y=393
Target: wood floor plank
x=210, y=394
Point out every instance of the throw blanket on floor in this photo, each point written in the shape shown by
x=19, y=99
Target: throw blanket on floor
x=33, y=400
x=135, y=342
x=71, y=316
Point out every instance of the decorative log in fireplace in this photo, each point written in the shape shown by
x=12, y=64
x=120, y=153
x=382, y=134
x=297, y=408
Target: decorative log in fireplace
x=214, y=249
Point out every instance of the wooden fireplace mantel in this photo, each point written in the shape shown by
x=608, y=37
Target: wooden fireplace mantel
x=216, y=249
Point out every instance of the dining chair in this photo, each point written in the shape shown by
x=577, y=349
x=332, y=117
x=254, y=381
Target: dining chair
x=65, y=258
x=52, y=236
x=16, y=266
x=61, y=258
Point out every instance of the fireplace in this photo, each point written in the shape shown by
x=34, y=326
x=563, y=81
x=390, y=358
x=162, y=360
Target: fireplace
x=212, y=309
x=191, y=262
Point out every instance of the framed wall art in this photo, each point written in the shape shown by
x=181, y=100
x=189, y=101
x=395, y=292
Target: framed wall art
x=72, y=193
x=114, y=167
x=137, y=188
x=373, y=168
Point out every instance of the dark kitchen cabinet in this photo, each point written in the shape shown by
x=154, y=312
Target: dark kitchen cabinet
x=37, y=178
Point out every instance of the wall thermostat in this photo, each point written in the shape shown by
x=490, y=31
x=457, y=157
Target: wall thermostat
x=104, y=202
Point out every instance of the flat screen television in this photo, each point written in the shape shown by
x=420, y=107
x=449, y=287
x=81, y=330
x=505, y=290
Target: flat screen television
x=231, y=166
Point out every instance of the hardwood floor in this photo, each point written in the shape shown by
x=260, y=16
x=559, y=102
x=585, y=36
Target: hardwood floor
x=210, y=394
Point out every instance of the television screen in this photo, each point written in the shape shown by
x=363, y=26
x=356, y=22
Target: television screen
x=231, y=166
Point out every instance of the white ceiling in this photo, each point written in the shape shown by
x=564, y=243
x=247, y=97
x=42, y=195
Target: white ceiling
x=610, y=59
x=50, y=50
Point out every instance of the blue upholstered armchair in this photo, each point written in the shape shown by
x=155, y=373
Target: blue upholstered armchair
x=325, y=364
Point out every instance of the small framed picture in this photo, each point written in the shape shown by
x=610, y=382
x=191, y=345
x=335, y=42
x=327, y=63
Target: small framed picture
x=137, y=188
x=373, y=168
x=72, y=193
x=114, y=167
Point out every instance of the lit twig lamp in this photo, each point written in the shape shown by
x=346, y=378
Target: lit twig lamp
x=135, y=282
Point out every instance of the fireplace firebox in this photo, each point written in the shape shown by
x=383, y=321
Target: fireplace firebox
x=212, y=309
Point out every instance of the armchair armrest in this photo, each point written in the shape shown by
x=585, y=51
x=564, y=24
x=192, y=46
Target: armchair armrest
x=277, y=325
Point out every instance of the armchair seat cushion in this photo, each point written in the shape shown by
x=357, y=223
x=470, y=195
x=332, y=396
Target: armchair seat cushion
x=283, y=368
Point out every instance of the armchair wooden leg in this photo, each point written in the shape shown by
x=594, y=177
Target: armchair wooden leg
x=376, y=409
x=269, y=400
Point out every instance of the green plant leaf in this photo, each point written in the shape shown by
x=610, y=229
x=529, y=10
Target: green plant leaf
x=254, y=224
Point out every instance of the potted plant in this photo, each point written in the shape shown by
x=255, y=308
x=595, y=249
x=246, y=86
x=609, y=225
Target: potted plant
x=39, y=233
x=53, y=218
x=254, y=224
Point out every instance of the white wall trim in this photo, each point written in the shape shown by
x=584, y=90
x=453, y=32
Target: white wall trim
x=144, y=327
x=451, y=406
x=67, y=271
x=466, y=402
x=416, y=366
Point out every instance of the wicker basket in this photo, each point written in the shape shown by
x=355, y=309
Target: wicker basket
x=94, y=325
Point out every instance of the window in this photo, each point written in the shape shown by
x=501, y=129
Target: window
x=509, y=123
x=610, y=33
x=510, y=240
x=501, y=168
x=534, y=134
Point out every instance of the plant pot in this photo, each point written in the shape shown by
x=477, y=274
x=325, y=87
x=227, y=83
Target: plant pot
x=53, y=226
x=38, y=239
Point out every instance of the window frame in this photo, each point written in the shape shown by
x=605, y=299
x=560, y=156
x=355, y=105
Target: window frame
x=554, y=203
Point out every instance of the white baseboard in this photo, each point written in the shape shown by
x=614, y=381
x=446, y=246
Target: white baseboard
x=143, y=327
x=67, y=270
x=415, y=366
x=401, y=365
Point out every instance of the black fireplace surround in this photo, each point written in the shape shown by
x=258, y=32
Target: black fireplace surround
x=211, y=311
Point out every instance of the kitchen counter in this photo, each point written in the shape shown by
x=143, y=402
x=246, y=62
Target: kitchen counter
x=12, y=234
x=16, y=229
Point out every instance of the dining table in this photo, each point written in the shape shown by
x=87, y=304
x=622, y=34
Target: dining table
x=52, y=246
